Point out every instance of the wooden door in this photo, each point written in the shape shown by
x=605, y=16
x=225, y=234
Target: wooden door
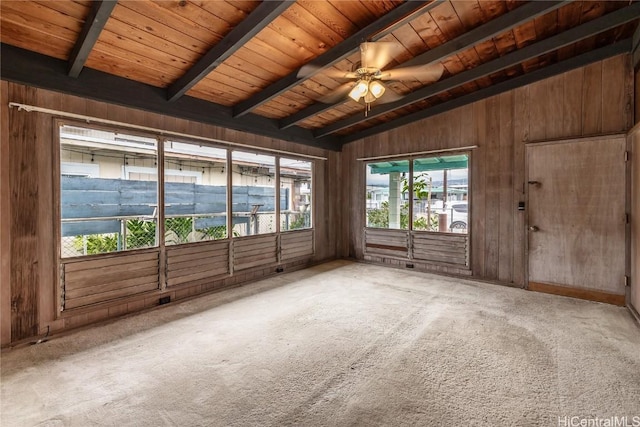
x=576, y=218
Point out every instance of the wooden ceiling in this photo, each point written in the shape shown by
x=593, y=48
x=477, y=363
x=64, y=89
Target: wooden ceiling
x=236, y=63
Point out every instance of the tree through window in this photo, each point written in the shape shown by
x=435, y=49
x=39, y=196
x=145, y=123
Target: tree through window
x=438, y=187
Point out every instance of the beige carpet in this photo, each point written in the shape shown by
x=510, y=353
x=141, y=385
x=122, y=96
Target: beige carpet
x=341, y=344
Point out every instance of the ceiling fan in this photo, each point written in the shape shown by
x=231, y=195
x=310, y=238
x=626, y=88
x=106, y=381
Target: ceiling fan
x=366, y=80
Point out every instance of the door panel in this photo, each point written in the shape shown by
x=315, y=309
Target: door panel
x=576, y=226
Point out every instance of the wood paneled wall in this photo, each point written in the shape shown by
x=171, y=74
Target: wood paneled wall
x=593, y=100
x=27, y=207
x=635, y=218
x=5, y=221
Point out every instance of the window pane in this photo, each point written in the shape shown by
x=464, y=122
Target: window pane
x=195, y=193
x=253, y=195
x=295, y=194
x=108, y=191
x=440, y=189
x=387, y=194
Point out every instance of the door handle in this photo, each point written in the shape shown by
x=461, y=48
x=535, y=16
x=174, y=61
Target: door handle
x=535, y=183
x=534, y=228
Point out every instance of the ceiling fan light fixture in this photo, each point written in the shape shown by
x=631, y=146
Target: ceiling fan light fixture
x=369, y=98
x=376, y=88
x=359, y=90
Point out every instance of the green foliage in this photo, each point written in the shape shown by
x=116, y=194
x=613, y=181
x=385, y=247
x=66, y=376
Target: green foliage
x=96, y=243
x=140, y=234
x=421, y=188
x=298, y=223
x=217, y=232
x=180, y=226
x=379, y=218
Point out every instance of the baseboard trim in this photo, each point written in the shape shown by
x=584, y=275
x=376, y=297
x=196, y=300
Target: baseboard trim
x=634, y=313
x=587, y=294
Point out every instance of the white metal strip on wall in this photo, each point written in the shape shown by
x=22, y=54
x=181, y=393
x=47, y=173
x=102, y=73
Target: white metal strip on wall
x=418, y=153
x=163, y=132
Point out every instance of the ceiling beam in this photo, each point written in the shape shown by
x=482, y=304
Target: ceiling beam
x=495, y=27
x=402, y=14
x=93, y=25
x=37, y=70
x=587, y=58
x=573, y=35
x=257, y=20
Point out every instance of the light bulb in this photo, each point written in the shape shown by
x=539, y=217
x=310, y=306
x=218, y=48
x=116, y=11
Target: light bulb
x=376, y=88
x=359, y=90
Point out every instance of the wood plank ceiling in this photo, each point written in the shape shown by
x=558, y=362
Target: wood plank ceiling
x=236, y=63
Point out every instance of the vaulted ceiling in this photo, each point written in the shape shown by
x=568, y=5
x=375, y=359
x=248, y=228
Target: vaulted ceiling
x=269, y=67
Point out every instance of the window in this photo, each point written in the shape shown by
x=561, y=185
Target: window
x=109, y=192
x=103, y=207
x=254, y=193
x=387, y=192
x=195, y=193
x=437, y=184
x=295, y=194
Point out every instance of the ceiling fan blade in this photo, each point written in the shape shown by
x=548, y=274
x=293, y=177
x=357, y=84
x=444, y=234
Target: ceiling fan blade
x=337, y=94
x=309, y=70
x=389, y=96
x=423, y=73
x=378, y=54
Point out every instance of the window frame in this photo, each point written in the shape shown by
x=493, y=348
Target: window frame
x=411, y=157
x=58, y=123
x=161, y=138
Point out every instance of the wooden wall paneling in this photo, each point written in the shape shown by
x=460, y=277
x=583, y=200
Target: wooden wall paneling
x=356, y=203
x=635, y=221
x=592, y=99
x=572, y=101
x=492, y=189
x=636, y=96
x=520, y=136
x=24, y=180
x=537, y=116
x=616, y=91
x=328, y=219
x=506, y=205
x=47, y=242
x=467, y=135
x=478, y=171
x=629, y=92
x=322, y=207
x=345, y=190
x=335, y=189
x=5, y=218
x=552, y=103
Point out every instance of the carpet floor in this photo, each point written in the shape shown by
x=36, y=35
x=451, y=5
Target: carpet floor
x=340, y=344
